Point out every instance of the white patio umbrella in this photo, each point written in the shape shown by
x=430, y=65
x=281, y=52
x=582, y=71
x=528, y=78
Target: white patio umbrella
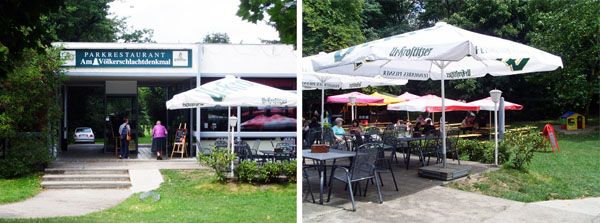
x=438, y=53
x=312, y=80
x=231, y=91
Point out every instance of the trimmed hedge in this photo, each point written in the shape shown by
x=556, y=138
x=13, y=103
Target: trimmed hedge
x=269, y=172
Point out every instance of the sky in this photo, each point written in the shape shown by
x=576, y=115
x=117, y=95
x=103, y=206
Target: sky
x=188, y=21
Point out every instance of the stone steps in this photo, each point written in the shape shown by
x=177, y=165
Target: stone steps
x=86, y=184
x=72, y=178
x=86, y=177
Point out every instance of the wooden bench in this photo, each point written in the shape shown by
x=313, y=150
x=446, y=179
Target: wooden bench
x=470, y=136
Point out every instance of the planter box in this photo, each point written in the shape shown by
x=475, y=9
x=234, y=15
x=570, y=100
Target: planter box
x=319, y=148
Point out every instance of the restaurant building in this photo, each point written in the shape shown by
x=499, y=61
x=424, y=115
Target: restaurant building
x=120, y=69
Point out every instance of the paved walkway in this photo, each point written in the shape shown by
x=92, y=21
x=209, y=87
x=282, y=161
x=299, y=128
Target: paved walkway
x=441, y=204
x=144, y=176
x=425, y=200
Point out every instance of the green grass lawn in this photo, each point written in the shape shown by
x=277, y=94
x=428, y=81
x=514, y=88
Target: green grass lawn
x=12, y=190
x=572, y=173
x=191, y=196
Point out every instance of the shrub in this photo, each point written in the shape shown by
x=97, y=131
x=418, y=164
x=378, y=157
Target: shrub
x=471, y=148
x=489, y=147
x=246, y=171
x=25, y=155
x=269, y=172
x=523, y=147
x=219, y=160
x=289, y=169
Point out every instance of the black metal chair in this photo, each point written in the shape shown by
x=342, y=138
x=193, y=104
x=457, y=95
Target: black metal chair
x=383, y=165
x=242, y=149
x=451, y=146
x=221, y=143
x=305, y=176
x=329, y=138
x=285, y=155
x=362, y=169
x=430, y=148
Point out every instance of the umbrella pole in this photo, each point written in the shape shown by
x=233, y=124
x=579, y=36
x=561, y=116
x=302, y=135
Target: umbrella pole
x=490, y=125
x=322, y=110
x=231, y=136
x=407, y=116
x=443, y=126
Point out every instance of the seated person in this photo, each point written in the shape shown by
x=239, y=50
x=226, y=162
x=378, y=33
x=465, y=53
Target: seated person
x=314, y=123
x=338, y=130
x=355, y=127
x=428, y=127
x=420, y=119
x=400, y=126
x=417, y=127
x=467, y=123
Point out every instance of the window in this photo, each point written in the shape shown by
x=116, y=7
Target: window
x=268, y=119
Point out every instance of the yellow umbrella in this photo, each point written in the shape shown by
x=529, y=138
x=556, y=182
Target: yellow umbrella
x=386, y=100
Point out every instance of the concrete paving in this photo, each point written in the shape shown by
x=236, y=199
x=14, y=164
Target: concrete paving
x=425, y=200
x=145, y=180
x=64, y=202
x=588, y=206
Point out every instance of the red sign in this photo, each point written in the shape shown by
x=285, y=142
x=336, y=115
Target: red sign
x=551, y=136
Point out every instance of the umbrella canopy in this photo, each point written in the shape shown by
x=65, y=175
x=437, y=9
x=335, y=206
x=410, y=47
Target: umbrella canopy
x=386, y=100
x=417, y=56
x=360, y=98
x=231, y=91
x=431, y=103
x=408, y=96
x=273, y=122
x=312, y=80
x=438, y=53
x=488, y=105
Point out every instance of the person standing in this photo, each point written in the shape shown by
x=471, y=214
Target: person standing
x=124, y=131
x=159, y=139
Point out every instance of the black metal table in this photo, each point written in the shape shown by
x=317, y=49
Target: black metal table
x=322, y=158
x=408, y=141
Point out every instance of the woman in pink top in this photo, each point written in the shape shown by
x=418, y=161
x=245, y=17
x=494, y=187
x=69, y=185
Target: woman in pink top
x=159, y=139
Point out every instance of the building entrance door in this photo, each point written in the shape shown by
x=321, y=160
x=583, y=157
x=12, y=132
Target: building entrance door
x=117, y=109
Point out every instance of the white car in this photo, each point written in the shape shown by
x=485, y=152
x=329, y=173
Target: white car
x=84, y=134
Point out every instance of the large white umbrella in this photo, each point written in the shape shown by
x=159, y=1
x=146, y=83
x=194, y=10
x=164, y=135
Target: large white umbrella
x=231, y=91
x=440, y=52
x=314, y=80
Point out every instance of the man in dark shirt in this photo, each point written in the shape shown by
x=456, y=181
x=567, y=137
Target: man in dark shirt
x=314, y=123
x=428, y=127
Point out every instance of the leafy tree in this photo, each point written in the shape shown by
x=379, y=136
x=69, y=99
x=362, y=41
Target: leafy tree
x=22, y=29
x=29, y=98
x=330, y=25
x=387, y=18
x=216, y=38
x=571, y=29
x=282, y=16
x=89, y=21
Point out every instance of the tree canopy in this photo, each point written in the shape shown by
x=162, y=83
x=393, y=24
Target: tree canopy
x=569, y=29
x=216, y=38
x=281, y=15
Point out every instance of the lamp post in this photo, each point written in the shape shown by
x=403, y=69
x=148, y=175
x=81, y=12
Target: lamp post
x=232, y=124
x=495, y=94
x=352, y=101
